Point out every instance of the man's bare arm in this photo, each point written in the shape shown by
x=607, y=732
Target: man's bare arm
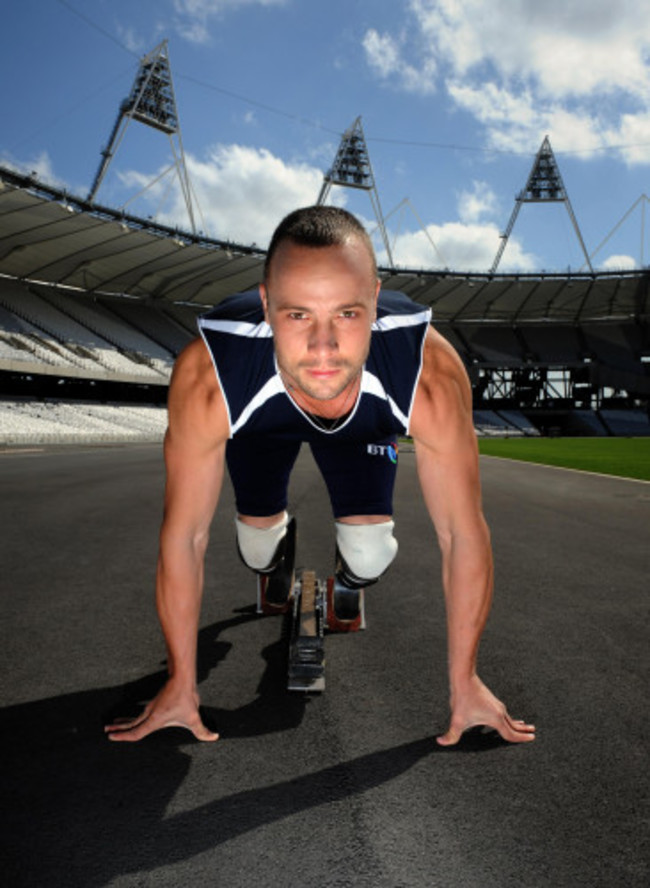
x=194, y=458
x=447, y=461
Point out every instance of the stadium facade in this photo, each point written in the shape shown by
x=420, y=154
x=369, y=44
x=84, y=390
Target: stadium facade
x=95, y=305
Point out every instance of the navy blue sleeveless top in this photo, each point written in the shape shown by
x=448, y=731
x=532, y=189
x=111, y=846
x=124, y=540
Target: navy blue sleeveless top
x=241, y=345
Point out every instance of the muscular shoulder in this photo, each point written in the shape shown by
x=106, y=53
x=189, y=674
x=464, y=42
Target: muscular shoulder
x=195, y=403
x=443, y=400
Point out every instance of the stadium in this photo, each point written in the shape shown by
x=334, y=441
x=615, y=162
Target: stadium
x=95, y=304
x=346, y=789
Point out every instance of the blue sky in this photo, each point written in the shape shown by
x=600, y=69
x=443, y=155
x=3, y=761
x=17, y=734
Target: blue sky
x=455, y=98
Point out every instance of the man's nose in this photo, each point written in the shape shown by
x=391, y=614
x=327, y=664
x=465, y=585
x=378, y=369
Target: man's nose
x=323, y=336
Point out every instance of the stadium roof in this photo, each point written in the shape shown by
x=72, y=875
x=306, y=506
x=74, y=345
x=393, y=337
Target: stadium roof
x=49, y=236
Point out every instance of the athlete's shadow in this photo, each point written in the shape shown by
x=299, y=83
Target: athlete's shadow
x=78, y=810
x=273, y=709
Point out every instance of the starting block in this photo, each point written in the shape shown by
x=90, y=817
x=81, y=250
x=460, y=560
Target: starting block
x=314, y=608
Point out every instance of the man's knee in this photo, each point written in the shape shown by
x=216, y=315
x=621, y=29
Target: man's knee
x=366, y=550
x=261, y=548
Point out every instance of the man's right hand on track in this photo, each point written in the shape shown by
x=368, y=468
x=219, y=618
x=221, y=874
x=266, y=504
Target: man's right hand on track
x=170, y=708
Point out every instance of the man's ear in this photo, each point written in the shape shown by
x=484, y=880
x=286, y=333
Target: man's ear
x=265, y=301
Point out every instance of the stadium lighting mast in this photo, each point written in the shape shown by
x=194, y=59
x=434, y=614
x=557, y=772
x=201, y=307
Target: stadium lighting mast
x=151, y=102
x=352, y=169
x=544, y=185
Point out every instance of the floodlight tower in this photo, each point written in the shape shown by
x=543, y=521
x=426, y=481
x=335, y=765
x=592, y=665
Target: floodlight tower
x=151, y=102
x=544, y=185
x=352, y=169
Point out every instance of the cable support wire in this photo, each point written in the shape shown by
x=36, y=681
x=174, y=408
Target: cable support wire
x=413, y=143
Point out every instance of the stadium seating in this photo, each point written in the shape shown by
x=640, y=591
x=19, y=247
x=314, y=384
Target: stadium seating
x=43, y=325
x=490, y=424
x=618, y=345
x=518, y=421
x=151, y=358
x=150, y=321
x=630, y=423
x=493, y=344
x=55, y=422
x=185, y=316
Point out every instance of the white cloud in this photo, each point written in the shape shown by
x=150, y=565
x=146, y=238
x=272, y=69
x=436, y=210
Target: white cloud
x=195, y=15
x=464, y=247
x=475, y=205
x=130, y=39
x=40, y=166
x=578, y=70
x=517, y=122
x=384, y=55
x=243, y=192
x=633, y=135
x=567, y=48
x=619, y=263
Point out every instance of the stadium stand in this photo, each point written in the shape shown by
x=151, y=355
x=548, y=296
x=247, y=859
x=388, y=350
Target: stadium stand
x=586, y=422
x=52, y=422
x=28, y=330
x=184, y=316
x=151, y=322
x=130, y=342
x=42, y=324
x=95, y=305
x=629, y=423
x=491, y=344
x=490, y=424
x=519, y=422
x=552, y=343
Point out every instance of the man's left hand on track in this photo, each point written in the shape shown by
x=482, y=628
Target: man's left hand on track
x=476, y=706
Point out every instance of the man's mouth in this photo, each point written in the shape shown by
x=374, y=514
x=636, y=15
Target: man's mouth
x=323, y=372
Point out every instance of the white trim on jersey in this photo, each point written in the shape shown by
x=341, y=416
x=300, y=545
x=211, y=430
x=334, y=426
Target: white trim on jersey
x=216, y=370
x=393, y=322
x=239, y=328
x=372, y=385
x=269, y=390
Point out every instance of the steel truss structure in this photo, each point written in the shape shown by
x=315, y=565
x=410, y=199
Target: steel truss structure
x=352, y=169
x=152, y=103
x=536, y=388
x=544, y=185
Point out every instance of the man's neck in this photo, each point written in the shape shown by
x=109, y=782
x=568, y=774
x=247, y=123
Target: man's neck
x=334, y=408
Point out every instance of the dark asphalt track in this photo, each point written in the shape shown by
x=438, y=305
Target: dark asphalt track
x=347, y=789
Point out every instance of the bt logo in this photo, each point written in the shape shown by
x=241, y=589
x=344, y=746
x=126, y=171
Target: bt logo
x=389, y=450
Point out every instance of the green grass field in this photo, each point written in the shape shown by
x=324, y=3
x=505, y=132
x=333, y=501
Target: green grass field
x=626, y=457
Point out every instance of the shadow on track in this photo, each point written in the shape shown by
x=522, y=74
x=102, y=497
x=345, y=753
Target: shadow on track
x=274, y=709
x=79, y=810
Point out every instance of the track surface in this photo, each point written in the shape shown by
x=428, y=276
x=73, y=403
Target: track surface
x=346, y=789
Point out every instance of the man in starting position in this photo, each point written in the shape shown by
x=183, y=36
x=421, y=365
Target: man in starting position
x=320, y=356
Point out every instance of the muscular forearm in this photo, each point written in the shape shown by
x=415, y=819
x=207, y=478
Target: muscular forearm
x=179, y=589
x=467, y=580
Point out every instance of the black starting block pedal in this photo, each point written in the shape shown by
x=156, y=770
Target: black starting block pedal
x=306, y=646
x=345, y=608
x=274, y=589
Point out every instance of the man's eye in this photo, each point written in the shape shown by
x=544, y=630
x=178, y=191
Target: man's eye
x=349, y=313
x=297, y=315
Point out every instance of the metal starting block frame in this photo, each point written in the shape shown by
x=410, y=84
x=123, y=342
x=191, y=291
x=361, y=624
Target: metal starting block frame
x=311, y=612
x=307, y=641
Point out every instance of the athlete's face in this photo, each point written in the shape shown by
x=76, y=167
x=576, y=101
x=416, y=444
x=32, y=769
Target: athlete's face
x=321, y=303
